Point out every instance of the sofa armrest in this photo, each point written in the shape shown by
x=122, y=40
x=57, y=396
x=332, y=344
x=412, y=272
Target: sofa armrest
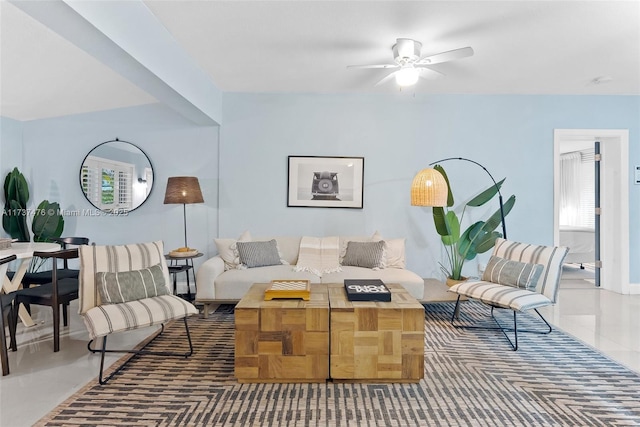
x=206, y=276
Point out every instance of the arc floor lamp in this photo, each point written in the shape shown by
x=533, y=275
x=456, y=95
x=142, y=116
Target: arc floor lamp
x=429, y=188
x=183, y=190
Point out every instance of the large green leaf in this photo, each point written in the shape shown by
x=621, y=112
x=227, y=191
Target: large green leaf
x=466, y=245
x=487, y=242
x=16, y=188
x=486, y=195
x=439, y=221
x=14, y=221
x=47, y=222
x=453, y=226
x=446, y=178
x=494, y=220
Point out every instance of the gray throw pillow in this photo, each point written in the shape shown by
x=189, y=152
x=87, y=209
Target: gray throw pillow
x=364, y=254
x=258, y=254
x=124, y=286
x=512, y=273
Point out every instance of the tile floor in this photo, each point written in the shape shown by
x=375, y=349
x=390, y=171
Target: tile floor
x=41, y=379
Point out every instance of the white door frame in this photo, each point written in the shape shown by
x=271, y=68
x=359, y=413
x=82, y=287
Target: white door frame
x=614, y=184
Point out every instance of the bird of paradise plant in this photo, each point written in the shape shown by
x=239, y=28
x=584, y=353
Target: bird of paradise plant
x=478, y=238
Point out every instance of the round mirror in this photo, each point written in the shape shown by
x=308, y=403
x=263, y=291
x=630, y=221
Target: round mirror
x=116, y=177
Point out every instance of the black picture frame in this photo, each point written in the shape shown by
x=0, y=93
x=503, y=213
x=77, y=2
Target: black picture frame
x=325, y=182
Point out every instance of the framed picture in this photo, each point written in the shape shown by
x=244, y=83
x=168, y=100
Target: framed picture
x=325, y=182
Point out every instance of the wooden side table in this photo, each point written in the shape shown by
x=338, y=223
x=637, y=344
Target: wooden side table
x=176, y=267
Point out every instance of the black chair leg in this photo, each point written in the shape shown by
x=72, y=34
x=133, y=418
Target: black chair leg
x=56, y=328
x=4, y=357
x=65, y=314
x=12, y=327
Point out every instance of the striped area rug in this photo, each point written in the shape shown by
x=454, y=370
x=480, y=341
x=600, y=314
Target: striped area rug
x=471, y=378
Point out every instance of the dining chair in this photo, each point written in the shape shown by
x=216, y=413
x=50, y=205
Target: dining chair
x=58, y=292
x=6, y=301
x=42, y=277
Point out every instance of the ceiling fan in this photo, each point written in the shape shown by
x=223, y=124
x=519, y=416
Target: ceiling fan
x=406, y=54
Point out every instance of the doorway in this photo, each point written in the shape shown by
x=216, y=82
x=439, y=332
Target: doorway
x=614, y=186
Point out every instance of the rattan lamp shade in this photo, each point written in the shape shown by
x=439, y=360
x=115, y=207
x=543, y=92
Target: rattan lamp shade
x=429, y=188
x=183, y=190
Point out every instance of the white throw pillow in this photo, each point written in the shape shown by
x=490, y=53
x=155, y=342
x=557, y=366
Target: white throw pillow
x=394, y=253
x=229, y=252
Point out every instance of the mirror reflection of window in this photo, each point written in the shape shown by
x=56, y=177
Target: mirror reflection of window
x=116, y=177
x=106, y=194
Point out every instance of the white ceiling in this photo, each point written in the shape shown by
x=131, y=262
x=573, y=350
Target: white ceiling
x=521, y=47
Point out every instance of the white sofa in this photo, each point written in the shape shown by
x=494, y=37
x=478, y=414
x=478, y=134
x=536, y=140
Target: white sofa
x=217, y=284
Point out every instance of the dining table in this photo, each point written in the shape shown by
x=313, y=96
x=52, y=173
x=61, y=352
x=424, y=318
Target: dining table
x=24, y=253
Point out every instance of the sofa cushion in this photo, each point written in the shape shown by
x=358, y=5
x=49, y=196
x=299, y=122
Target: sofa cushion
x=258, y=254
x=364, y=254
x=105, y=319
x=512, y=273
x=501, y=295
x=131, y=285
x=233, y=284
x=227, y=250
x=394, y=253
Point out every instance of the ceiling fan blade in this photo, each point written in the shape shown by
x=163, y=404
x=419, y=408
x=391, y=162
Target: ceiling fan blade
x=374, y=66
x=428, y=73
x=446, y=56
x=386, y=78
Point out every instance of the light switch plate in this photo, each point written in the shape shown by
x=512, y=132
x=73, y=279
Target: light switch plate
x=637, y=176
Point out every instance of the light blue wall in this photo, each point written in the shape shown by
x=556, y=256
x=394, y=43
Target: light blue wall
x=55, y=149
x=10, y=147
x=399, y=135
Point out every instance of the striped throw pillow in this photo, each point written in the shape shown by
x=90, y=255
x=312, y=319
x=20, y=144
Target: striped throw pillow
x=364, y=254
x=124, y=286
x=258, y=254
x=512, y=273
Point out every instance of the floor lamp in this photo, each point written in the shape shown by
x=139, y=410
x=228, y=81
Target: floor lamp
x=183, y=190
x=429, y=188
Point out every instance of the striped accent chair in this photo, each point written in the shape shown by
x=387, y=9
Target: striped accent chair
x=137, y=298
x=503, y=292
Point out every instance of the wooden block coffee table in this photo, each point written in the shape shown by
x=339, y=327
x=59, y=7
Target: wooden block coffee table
x=282, y=340
x=376, y=341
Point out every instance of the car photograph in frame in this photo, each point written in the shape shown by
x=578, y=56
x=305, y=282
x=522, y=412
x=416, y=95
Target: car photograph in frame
x=325, y=182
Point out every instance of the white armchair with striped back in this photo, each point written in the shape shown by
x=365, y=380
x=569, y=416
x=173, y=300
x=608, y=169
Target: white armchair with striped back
x=127, y=287
x=519, y=277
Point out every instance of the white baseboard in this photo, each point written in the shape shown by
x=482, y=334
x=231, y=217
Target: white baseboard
x=634, y=288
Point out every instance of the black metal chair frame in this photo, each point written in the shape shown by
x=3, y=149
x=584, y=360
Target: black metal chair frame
x=103, y=350
x=504, y=330
x=8, y=298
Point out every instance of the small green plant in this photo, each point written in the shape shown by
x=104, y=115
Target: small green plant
x=47, y=222
x=478, y=238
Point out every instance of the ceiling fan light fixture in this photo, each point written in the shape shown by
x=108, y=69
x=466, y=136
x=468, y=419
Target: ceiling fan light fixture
x=407, y=76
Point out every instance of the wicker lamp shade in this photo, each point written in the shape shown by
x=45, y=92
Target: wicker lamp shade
x=429, y=188
x=183, y=190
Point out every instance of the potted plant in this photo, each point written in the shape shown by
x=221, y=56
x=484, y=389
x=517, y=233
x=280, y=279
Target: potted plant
x=47, y=223
x=478, y=238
